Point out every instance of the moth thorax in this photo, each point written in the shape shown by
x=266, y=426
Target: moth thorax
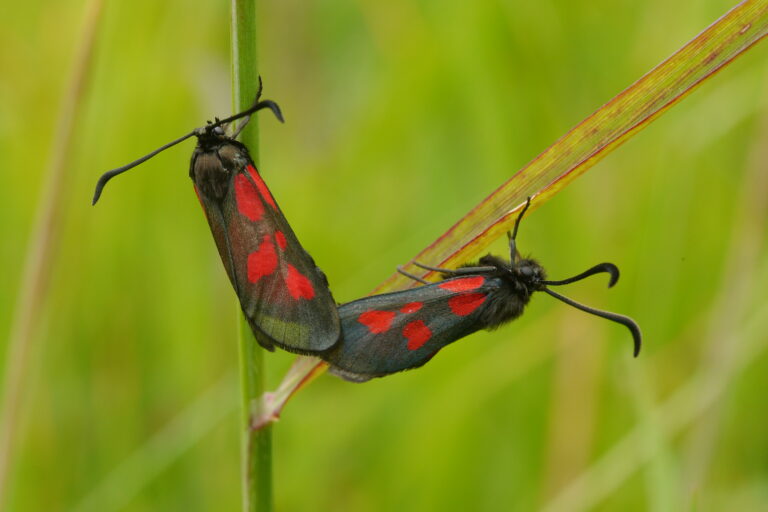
x=210, y=176
x=232, y=156
x=522, y=278
x=505, y=304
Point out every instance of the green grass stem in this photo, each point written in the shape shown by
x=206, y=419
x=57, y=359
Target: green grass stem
x=257, y=444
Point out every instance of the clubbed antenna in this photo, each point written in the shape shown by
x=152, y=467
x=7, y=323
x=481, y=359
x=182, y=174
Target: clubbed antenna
x=608, y=268
x=614, y=317
x=613, y=271
x=120, y=170
x=258, y=105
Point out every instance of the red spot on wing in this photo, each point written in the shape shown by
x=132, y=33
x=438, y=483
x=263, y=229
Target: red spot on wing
x=411, y=307
x=463, y=305
x=417, y=333
x=263, y=190
x=282, y=243
x=462, y=284
x=263, y=261
x=248, y=202
x=377, y=321
x=299, y=286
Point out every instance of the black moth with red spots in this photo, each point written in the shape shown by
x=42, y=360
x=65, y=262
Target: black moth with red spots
x=284, y=295
x=392, y=332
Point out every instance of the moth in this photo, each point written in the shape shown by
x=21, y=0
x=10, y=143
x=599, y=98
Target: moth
x=283, y=294
x=392, y=332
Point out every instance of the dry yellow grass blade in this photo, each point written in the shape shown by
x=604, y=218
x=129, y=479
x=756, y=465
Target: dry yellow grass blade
x=575, y=152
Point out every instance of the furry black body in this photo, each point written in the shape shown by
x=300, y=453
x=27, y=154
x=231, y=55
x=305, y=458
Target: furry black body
x=215, y=160
x=508, y=301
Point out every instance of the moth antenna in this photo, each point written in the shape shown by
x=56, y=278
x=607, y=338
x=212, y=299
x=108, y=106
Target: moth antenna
x=114, y=172
x=258, y=105
x=512, y=243
x=411, y=276
x=608, y=268
x=614, y=317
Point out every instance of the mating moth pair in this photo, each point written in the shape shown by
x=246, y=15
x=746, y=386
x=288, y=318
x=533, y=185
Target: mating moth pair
x=286, y=297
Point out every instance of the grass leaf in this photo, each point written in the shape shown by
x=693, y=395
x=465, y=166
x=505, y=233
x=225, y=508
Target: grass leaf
x=578, y=150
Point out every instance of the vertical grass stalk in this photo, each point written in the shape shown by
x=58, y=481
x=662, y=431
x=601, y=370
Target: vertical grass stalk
x=256, y=444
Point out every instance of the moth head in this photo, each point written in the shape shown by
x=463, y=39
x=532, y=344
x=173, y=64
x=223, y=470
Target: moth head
x=210, y=135
x=529, y=276
x=529, y=272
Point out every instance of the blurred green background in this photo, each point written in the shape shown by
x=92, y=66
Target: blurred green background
x=400, y=117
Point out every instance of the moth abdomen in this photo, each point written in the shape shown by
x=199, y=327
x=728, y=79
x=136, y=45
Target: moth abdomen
x=210, y=177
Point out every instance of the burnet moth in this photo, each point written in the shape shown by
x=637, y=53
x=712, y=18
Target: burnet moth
x=284, y=295
x=392, y=332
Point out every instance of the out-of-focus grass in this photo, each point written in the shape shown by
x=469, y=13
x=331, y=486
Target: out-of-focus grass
x=400, y=117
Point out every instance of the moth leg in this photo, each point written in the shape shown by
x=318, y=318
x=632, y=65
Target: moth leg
x=411, y=276
x=247, y=118
x=514, y=256
x=240, y=126
x=457, y=271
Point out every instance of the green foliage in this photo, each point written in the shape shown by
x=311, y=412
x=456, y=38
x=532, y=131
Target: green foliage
x=256, y=463
x=401, y=116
